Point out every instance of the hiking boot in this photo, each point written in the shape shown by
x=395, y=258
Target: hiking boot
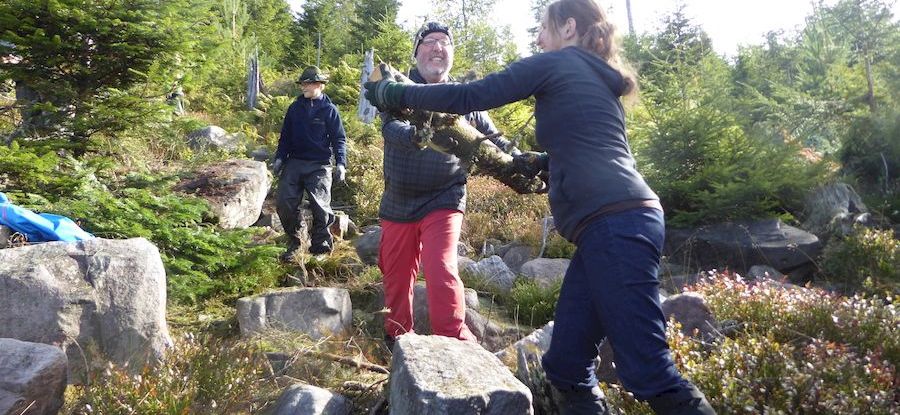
x=389, y=342
x=687, y=401
x=320, y=249
x=579, y=401
x=288, y=255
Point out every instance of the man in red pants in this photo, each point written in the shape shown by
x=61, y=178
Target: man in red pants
x=422, y=207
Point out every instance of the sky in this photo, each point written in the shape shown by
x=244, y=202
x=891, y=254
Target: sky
x=729, y=23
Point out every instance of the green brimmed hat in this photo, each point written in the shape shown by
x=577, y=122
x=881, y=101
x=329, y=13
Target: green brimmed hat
x=312, y=74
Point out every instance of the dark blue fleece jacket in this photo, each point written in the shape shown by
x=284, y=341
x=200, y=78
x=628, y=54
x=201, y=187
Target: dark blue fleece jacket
x=312, y=130
x=580, y=122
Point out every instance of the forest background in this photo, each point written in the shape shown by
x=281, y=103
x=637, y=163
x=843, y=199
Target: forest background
x=718, y=138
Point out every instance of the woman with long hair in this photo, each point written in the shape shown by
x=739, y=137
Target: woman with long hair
x=599, y=202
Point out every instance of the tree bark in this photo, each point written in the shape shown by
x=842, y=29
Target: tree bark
x=477, y=153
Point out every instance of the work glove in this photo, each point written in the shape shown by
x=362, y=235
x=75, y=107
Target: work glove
x=531, y=163
x=340, y=173
x=277, y=166
x=386, y=95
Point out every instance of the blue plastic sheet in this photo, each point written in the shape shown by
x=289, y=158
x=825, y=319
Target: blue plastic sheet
x=43, y=227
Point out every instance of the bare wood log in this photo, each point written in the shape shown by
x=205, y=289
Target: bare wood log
x=478, y=154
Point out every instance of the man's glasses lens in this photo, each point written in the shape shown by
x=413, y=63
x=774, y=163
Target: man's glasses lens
x=431, y=42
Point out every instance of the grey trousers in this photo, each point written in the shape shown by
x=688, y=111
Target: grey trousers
x=312, y=179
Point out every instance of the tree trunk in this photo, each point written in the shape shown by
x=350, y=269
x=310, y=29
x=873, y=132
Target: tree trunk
x=477, y=153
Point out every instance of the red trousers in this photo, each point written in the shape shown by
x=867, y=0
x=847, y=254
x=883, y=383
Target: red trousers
x=430, y=242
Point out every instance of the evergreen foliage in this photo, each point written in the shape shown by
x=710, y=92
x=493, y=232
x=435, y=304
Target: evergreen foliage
x=80, y=56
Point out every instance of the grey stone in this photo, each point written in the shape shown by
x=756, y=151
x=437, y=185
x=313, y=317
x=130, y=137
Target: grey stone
x=367, y=245
x=32, y=378
x=98, y=294
x=494, y=272
x=235, y=190
x=5, y=233
x=832, y=209
x=260, y=154
x=440, y=375
x=316, y=312
x=546, y=271
x=691, y=311
x=214, y=138
x=517, y=255
x=310, y=400
x=759, y=272
x=537, y=343
x=463, y=263
x=739, y=245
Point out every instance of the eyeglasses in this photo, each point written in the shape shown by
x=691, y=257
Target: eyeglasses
x=431, y=42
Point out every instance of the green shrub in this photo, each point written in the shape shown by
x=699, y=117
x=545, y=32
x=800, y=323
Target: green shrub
x=201, y=261
x=365, y=160
x=868, y=259
x=532, y=304
x=871, y=150
x=26, y=169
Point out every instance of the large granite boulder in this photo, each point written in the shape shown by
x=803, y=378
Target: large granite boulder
x=738, y=246
x=545, y=271
x=32, y=378
x=309, y=400
x=442, y=375
x=833, y=209
x=517, y=255
x=316, y=312
x=98, y=294
x=493, y=271
x=235, y=190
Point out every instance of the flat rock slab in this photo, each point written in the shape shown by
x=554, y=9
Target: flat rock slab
x=317, y=312
x=440, y=375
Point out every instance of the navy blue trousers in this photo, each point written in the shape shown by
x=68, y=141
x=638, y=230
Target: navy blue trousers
x=611, y=290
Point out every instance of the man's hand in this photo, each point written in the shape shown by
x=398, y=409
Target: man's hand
x=277, y=166
x=386, y=95
x=530, y=163
x=340, y=173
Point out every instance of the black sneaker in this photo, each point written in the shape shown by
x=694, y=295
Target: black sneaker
x=320, y=249
x=389, y=342
x=288, y=255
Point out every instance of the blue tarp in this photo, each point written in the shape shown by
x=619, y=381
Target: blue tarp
x=42, y=227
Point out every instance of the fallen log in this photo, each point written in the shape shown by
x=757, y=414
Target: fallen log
x=452, y=134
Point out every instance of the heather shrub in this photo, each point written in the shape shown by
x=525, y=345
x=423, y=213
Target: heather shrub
x=494, y=211
x=199, y=375
x=795, y=350
x=868, y=259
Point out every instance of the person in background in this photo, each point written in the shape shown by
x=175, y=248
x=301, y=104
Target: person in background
x=311, y=135
x=422, y=207
x=599, y=202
